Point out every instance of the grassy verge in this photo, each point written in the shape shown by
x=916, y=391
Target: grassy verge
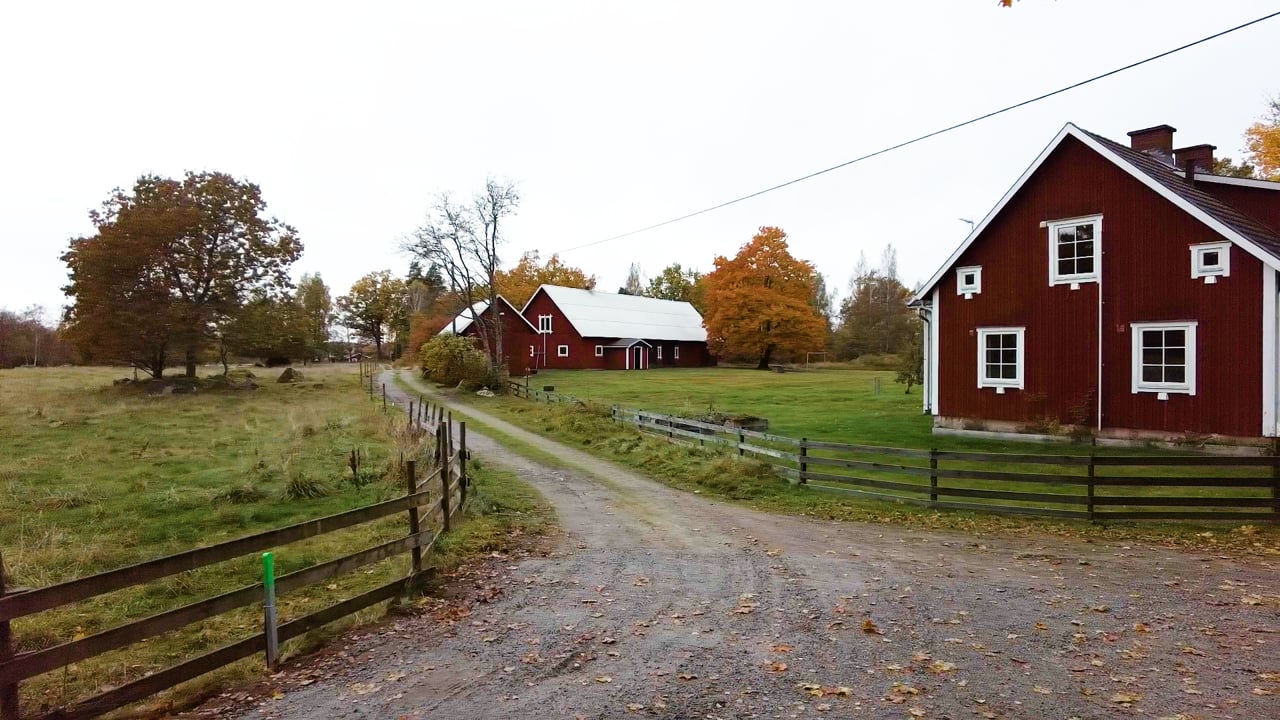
x=756, y=484
x=95, y=477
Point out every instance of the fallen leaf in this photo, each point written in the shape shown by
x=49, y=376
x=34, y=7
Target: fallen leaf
x=604, y=679
x=777, y=667
x=781, y=648
x=1123, y=698
x=634, y=707
x=870, y=627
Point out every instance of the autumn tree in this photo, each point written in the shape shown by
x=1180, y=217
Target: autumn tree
x=1262, y=140
x=874, y=318
x=759, y=304
x=26, y=339
x=166, y=261
x=520, y=282
x=271, y=328
x=677, y=283
x=374, y=307
x=315, y=307
x=462, y=240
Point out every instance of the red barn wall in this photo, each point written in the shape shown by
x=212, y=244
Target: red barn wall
x=1146, y=277
x=516, y=338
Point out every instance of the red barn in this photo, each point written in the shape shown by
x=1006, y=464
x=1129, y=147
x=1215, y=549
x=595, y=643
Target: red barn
x=1121, y=289
x=584, y=329
x=517, y=333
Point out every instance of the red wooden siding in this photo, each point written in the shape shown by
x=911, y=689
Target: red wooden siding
x=1146, y=277
x=516, y=338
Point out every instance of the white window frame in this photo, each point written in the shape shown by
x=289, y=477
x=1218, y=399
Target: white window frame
x=1211, y=273
x=562, y=351
x=1002, y=384
x=675, y=353
x=544, y=324
x=974, y=288
x=599, y=351
x=659, y=352
x=1188, y=387
x=1074, y=279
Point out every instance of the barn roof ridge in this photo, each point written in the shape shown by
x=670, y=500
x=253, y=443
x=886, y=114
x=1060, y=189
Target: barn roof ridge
x=599, y=314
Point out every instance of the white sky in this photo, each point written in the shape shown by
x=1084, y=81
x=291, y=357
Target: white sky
x=609, y=116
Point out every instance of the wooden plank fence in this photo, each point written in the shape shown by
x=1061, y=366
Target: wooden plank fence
x=1088, y=486
x=448, y=460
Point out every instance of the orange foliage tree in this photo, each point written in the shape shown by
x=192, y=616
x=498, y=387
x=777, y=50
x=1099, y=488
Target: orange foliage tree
x=759, y=304
x=1263, y=142
x=519, y=283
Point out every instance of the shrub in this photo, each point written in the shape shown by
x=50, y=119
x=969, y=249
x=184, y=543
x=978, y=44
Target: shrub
x=453, y=360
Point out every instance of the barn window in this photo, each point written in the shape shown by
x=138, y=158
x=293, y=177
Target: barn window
x=675, y=353
x=659, y=352
x=562, y=351
x=1211, y=261
x=544, y=323
x=1000, y=358
x=1075, y=251
x=1164, y=358
x=599, y=351
x=969, y=281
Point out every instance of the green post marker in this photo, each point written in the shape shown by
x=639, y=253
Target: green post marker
x=269, y=609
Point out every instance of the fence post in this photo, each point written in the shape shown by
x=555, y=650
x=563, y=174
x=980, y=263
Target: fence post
x=410, y=414
x=384, y=398
x=411, y=482
x=933, y=476
x=804, y=462
x=462, y=464
x=1089, y=489
x=269, y=609
x=422, y=404
x=8, y=693
x=442, y=442
x=742, y=440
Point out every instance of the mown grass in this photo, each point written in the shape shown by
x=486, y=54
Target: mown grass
x=840, y=406
x=95, y=477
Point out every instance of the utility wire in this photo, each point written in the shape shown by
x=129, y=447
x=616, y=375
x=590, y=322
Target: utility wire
x=922, y=138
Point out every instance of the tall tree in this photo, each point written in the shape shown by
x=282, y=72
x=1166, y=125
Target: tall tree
x=266, y=327
x=1263, y=142
x=677, y=283
x=463, y=241
x=316, y=309
x=374, y=307
x=634, y=284
x=874, y=318
x=167, y=260
x=520, y=282
x=759, y=304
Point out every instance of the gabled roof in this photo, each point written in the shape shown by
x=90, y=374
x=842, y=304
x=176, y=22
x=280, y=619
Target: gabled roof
x=464, y=319
x=609, y=315
x=1251, y=236
x=626, y=343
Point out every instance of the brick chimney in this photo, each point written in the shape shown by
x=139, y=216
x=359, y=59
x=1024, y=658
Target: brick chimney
x=1201, y=155
x=1157, y=140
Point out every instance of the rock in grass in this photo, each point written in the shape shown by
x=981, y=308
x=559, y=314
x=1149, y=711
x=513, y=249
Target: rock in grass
x=289, y=376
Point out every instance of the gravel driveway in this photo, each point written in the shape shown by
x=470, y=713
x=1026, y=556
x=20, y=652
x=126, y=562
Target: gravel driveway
x=656, y=602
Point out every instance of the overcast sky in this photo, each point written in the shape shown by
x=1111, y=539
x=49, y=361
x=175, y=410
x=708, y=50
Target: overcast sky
x=608, y=115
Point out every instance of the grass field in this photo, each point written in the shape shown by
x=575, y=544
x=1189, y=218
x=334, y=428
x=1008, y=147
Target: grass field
x=836, y=405
x=94, y=477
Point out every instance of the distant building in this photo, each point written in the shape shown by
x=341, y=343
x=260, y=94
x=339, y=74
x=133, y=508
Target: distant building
x=1120, y=288
x=517, y=333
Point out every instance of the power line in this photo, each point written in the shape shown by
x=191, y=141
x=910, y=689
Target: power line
x=921, y=138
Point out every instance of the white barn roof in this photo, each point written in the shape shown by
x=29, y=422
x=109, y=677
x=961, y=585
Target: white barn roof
x=609, y=315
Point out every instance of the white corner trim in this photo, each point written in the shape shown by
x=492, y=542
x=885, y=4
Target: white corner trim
x=1137, y=384
x=1073, y=131
x=1269, y=319
x=1020, y=359
x=935, y=353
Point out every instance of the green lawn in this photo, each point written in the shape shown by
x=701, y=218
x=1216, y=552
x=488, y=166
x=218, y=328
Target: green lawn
x=94, y=477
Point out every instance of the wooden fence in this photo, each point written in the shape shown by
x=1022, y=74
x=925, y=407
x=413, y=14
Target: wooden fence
x=448, y=460
x=1097, y=487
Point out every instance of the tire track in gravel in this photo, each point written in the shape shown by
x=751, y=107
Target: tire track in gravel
x=662, y=603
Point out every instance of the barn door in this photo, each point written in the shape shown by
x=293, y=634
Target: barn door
x=637, y=357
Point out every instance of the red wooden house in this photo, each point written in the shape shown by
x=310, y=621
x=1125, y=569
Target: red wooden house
x=584, y=329
x=517, y=333
x=1122, y=289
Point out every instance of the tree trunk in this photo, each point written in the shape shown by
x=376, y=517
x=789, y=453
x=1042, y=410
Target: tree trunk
x=191, y=362
x=377, y=343
x=765, y=357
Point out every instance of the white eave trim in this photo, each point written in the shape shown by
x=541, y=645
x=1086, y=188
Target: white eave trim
x=1070, y=129
x=1224, y=180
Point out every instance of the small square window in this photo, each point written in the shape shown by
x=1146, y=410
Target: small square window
x=562, y=351
x=1211, y=261
x=1000, y=358
x=599, y=351
x=968, y=281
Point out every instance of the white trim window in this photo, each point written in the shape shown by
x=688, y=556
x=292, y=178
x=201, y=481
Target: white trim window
x=1075, y=251
x=1001, y=353
x=562, y=351
x=1164, y=358
x=659, y=352
x=1211, y=261
x=969, y=281
x=675, y=353
x=544, y=324
x=599, y=351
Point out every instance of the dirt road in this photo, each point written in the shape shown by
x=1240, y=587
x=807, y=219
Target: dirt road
x=658, y=602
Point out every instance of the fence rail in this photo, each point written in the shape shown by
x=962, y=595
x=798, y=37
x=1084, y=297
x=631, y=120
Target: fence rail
x=1087, y=486
x=448, y=460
